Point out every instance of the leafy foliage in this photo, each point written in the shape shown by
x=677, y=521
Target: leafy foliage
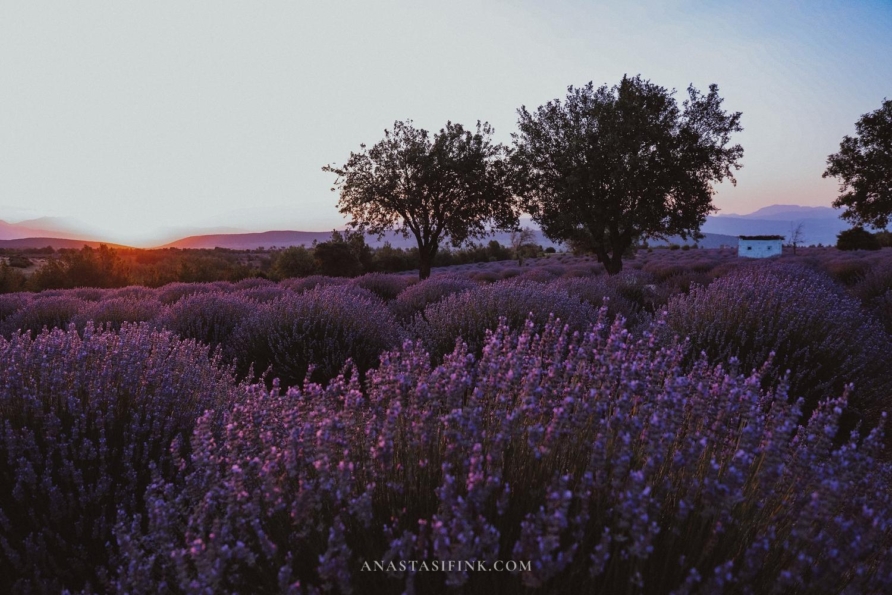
x=609, y=166
x=857, y=238
x=452, y=184
x=863, y=166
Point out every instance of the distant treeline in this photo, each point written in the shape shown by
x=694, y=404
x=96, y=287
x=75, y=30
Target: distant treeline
x=345, y=254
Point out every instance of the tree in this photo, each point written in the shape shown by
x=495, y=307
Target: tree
x=455, y=185
x=344, y=255
x=796, y=235
x=611, y=166
x=857, y=238
x=519, y=239
x=294, y=261
x=864, y=169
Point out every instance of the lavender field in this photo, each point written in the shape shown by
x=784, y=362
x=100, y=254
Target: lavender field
x=698, y=423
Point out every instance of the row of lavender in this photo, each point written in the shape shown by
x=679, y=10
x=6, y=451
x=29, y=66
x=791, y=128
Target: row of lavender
x=610, y=460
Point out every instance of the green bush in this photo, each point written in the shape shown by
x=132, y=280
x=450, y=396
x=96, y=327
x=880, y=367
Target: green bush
x=857, y=238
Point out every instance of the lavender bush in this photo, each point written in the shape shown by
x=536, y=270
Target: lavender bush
x=322, y=327
x=592, y=457
x=86, y=422
x=55, y=311
x=12, y=303
x=468, y=315
x=415, y=298
x=300, y=285
x=261, y=293
x=813, y=329
x=210, y=317
x=114, y=312
x=386, y=287
x=172, y=292
x=594, y=290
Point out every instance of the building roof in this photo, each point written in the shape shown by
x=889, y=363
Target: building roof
x=761, y=237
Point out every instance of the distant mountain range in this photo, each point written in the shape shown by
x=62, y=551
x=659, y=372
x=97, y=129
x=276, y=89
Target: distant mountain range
x=280, y=239
x=820, y=225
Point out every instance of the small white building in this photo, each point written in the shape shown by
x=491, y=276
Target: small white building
x=759, y=246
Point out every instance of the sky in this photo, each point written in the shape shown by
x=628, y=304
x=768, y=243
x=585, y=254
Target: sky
x=149, y=119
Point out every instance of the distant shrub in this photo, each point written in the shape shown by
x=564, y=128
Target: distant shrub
x=294, y=261
x=50, y=312
x=857, y=238
x=87, y=423
x=468, y=315
x=385, y=286
x=323, y=327
x=592, y=458
x=814, y=330
x=415, y=298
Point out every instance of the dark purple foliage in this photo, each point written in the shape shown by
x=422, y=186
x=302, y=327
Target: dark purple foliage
x=592, y=457
x=86, y=423
x=813, y=329
x=415, y=298
x=210, y=317
x=172, y=292
x=386, y=287
x=116, y=311
x=322, y=327
x=468, y=315
x=55, y=311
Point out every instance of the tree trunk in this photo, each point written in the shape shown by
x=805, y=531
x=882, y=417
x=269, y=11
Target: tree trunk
x=614, y=265
x=425, y=260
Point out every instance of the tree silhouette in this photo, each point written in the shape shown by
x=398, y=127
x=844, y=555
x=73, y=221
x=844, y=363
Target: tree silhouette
x=455, y=184
x=796, y=236
x=863, y=166
x=609, y=166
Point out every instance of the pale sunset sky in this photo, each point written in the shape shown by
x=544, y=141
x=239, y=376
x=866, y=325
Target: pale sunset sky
x=136, y=118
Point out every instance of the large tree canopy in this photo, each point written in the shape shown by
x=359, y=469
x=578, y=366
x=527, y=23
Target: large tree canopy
x=609, y=166
x=453, y=185
x=864, y=169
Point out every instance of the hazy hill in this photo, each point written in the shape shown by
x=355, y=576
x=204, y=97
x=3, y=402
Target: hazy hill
x=268, y=239
x=56, y=243
x=789, y=213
